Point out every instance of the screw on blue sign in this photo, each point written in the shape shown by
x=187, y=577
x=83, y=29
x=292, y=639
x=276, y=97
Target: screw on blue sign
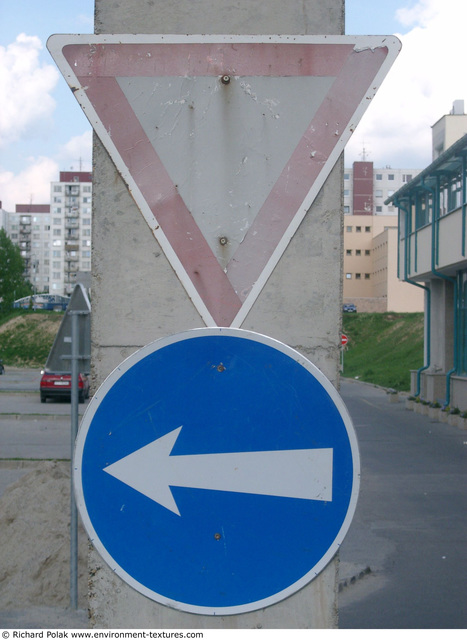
x=217, y=471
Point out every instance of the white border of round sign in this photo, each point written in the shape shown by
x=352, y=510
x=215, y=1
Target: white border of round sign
x=120, y=371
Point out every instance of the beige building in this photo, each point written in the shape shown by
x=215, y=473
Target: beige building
x=448, y=129
x=370, y=266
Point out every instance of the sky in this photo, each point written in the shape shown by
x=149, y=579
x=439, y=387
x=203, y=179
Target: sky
x=43, y=130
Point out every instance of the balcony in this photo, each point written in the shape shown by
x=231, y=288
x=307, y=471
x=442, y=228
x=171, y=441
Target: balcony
x=433, y=217
x=441, y=246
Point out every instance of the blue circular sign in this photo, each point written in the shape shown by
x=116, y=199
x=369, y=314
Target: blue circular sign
x=216, y=471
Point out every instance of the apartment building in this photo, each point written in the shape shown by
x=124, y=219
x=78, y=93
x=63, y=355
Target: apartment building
x=370, y=240
x=29, y=228
x=70, y=230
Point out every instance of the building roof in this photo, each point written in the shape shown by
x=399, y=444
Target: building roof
x=32, y=208
x=448, y=163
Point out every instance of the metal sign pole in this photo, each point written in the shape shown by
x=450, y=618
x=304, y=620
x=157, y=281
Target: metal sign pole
x=74, y=432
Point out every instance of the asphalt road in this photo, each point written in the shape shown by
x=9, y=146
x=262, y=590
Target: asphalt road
x=410, y=525
x=404, y=560
x=29, y=429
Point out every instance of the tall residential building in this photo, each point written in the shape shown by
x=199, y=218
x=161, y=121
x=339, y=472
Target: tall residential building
x=71, y=220
x=370, y=241
x=29, y=228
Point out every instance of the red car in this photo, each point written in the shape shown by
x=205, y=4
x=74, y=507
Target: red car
x=58, y=385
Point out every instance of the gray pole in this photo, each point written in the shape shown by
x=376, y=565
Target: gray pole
x=74, y=431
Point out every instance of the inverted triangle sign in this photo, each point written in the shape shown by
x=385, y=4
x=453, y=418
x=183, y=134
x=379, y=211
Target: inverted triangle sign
x=224, y=141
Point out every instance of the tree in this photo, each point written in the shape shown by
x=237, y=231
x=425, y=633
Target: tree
x=12, y=282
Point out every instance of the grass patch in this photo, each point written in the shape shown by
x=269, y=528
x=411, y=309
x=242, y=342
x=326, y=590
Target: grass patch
x=26, y=337
x=383, y=347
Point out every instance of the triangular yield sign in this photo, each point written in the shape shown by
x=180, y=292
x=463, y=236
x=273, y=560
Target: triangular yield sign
x=224, y=141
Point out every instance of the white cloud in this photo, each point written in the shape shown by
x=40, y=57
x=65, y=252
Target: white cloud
x=31, y=185
x=77, y=153
x=34, y=182
x=25, y=87
x=420, y=88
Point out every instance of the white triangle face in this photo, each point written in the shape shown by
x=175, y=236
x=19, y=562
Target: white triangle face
x=224, y=146
x=224, y=141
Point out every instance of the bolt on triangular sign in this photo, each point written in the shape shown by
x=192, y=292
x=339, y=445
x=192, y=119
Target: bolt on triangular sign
x=224, y=141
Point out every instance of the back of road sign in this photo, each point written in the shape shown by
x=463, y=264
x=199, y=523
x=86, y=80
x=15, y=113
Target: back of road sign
x=224, y=141
x=59, y=358
x=217, y=471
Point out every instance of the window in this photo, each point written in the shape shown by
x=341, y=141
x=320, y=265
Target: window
x=358, y=276
x=367, y=229
x=56, y=264
x=407, y=177
x=56, y=275
x=379, y=176
x=379, y=209
x=358, y=252
x=358, y=229
x=57, y=188
x=348, y=252
x=367, y=276
x=57, y=232
x=348, y=229
x=378, y=193
x=390, y=176
x=346, y=208
x=346, y=192
x=56, y=254
x=367, y=252
x=57, y=221
x=86, y=221
x=87, y=189
x=348, y=276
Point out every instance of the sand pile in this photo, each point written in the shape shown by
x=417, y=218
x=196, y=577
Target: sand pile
x=35, y=541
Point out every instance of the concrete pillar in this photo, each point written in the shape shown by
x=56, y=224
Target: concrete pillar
x=137, y=298
x=442, y=323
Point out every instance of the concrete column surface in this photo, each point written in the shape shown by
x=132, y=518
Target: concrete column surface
x=137, y=298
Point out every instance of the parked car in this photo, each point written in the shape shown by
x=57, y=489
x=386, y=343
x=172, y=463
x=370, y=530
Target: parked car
x=349, y=308
x=58, y=385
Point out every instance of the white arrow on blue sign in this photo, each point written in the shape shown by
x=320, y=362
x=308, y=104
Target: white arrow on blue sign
x=217, y=471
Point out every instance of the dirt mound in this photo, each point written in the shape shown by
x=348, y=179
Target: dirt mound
x=35, y=540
